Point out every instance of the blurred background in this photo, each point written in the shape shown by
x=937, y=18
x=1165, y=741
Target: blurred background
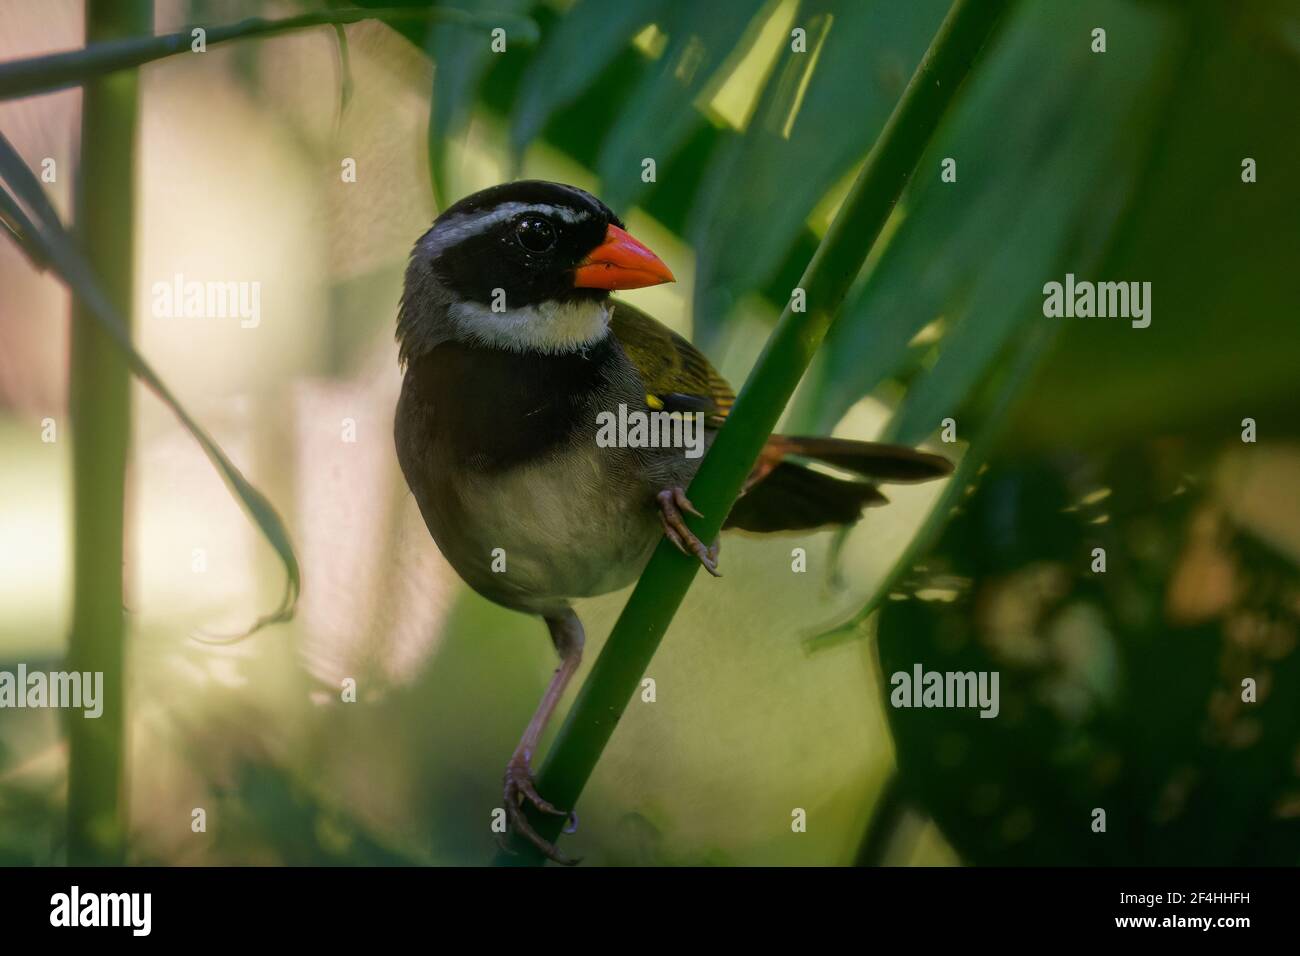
x=1175, y=448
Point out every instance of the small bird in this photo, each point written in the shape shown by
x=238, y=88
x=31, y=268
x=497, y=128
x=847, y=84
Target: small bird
x=514, y=353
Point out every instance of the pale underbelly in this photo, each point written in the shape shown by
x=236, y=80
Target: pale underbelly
x=537, y=536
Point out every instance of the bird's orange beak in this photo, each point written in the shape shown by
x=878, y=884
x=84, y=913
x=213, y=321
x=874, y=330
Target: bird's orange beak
x=620, y=262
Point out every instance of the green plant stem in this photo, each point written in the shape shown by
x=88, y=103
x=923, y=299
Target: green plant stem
x=886, y=816
x=100, y=411
x=42, y=238
x=618, y=670
x=55, y=71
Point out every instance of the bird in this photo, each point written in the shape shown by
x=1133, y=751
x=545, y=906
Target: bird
x=512, y=351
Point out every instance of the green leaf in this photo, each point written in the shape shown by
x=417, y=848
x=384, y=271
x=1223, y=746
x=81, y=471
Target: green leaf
x=1219, y=253
x=1000, y=293
x=1007, y=388
x=659, y=115
x=815, y=121
x=581, y=45
x=346, y=85
x=51, y=244
x=1047, y=143
x=461, y=49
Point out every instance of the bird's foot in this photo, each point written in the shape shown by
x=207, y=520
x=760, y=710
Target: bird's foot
x=672, y=502
x=519, y=787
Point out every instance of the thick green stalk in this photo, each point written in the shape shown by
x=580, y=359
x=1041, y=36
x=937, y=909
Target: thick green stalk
x=618, y=670
x=100, y=411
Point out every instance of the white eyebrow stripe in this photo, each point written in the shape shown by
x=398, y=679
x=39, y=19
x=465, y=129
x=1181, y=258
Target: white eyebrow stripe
x=452, y=231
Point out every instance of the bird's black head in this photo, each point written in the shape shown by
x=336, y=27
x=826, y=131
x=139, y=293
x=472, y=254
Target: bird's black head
x=525, y=265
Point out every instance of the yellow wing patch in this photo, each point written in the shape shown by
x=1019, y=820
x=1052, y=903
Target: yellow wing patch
x=669, y=365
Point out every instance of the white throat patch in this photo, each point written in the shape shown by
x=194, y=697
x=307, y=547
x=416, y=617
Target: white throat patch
x=548, y=327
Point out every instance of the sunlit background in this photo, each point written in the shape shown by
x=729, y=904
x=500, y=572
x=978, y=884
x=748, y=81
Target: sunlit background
x=1119, y=691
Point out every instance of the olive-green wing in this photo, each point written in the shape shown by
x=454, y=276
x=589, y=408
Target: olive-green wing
x=677, y=376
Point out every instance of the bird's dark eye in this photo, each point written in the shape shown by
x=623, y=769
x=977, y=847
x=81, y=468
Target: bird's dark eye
x=535, y=234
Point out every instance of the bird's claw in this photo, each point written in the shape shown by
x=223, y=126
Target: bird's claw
x=519, y=787
x=672, y=502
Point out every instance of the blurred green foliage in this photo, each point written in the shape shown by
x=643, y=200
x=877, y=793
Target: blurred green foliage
x=1124, y=166
x=1120, y=691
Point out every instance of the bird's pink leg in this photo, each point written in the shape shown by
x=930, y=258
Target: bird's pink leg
x=568, y=637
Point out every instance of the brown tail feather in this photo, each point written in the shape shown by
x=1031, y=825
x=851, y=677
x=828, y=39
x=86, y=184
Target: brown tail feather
x=890, y=463
x=785, y=496
x=793, y=498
